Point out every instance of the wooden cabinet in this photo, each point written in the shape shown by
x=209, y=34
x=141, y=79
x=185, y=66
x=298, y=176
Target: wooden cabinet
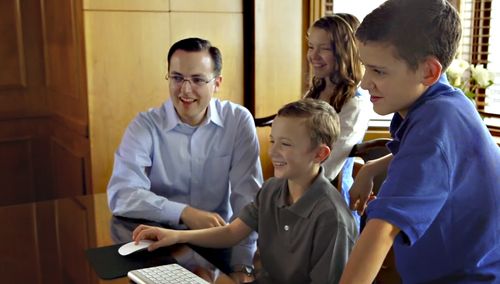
x=24, y=109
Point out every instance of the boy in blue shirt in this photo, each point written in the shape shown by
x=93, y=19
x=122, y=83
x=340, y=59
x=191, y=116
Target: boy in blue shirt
x=439, y=206
x=306, y=230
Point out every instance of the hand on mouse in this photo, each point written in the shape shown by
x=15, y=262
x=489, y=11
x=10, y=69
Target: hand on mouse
x=161, y=237
x=198, y=219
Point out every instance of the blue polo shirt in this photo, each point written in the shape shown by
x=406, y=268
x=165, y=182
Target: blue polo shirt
x=443, y=191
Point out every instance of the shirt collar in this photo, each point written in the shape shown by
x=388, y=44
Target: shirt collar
x=173, y=118
x=437, y=89
x=213, y=114
x=307, y=202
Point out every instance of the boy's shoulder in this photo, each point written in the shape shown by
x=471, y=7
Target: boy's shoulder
x=441, y=111
x=328, y=200
x=271, y=187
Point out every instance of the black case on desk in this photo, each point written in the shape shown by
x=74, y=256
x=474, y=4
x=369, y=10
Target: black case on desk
x=109, y=264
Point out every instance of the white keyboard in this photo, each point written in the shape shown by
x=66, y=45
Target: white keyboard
x=169, y=273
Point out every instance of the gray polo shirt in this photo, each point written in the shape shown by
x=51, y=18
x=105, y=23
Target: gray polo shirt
x=306, y=242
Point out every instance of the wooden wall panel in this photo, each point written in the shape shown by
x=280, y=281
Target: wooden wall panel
x=16, y=171
x=21, y=55
x=12, y=73
x=67, y=95
x=23, y=229
x=279, y=56
x=224, y=30
x=70, y=163
x=231, y=6
x=65, y=65
x=24, y=169
x=73, y=235
x=47, y=238
x=126, y=53
x=126, y=5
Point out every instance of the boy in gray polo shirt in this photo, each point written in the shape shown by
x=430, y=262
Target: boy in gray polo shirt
x=305, y=229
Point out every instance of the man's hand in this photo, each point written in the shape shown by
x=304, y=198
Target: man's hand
x=198, y=219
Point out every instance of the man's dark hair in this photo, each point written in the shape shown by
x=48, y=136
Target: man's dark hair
x=195, y=44
x=416, y=28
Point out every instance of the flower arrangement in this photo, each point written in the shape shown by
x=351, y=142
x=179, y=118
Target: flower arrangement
x=469, y=78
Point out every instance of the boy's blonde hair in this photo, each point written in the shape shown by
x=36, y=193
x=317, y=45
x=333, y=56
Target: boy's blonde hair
x=322, y=120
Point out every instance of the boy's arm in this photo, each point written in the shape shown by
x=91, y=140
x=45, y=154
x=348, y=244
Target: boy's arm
x=217, y=237
x=363, y=183
x=369, y=252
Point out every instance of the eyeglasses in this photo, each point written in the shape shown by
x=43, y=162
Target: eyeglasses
x=178, y=80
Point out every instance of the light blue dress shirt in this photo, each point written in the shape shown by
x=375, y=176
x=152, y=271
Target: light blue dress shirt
x=163, y=165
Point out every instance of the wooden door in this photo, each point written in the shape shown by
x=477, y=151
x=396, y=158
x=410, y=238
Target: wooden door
x=24, y=114
x=44, y=150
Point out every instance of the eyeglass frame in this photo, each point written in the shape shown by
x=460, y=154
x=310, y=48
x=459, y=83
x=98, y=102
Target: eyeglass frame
x=183, y=79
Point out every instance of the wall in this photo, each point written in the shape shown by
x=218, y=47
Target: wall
x=279, y=49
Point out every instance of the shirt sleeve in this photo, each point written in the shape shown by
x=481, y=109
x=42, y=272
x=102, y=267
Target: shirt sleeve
x=354, y=118
x=416, y=188
x=129, y=189
x=245, y=177
x=250, y=213
x=332, y=245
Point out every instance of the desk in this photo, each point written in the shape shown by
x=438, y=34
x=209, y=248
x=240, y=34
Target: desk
x=45, y=242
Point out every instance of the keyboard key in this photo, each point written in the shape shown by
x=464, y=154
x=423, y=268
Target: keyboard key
x=169, y=273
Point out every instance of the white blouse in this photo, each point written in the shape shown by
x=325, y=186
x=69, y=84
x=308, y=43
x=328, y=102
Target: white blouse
x=354, y=118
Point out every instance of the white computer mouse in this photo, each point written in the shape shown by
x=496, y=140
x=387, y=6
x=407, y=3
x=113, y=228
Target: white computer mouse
x=131, y=247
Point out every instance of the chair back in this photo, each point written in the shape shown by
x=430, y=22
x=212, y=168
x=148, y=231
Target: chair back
x=264, y=121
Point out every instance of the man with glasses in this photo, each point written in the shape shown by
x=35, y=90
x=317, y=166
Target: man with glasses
x=193, y=162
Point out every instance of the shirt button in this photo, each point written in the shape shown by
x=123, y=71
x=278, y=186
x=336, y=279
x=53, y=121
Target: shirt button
x=286, y=228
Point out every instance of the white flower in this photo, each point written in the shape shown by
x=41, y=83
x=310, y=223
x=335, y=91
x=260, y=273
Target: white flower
x=482, y=76
x=456, y=71
x=469, y=78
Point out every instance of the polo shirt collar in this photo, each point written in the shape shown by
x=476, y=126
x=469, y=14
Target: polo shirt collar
x=307, y=202
x=440, y=87
x=172, y=118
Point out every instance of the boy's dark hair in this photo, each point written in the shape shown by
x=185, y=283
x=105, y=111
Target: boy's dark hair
x=322, y=120
x=194, y=44
x=416, y=28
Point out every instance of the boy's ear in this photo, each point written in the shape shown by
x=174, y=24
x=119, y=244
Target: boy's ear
x=322, y=153
x=431, y=69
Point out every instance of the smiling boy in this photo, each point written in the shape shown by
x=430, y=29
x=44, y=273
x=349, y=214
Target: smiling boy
x=306, y=230
x=440, y=204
